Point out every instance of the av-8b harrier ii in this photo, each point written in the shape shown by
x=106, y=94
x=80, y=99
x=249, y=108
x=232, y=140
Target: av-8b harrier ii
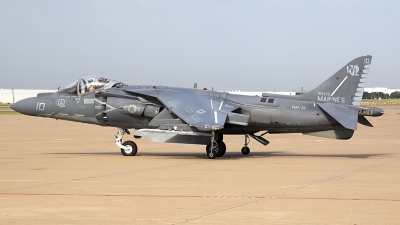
x=192, y=116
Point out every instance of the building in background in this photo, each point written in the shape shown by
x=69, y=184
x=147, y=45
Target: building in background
x=380, y=89
x=9, y=96
x=255, y=93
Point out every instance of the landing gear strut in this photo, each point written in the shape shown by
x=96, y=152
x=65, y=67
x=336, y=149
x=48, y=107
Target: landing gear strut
x=245, y=149
x=128, y=148
x=217, y=148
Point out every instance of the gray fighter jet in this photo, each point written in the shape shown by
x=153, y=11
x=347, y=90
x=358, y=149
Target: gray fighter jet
x=192, y=116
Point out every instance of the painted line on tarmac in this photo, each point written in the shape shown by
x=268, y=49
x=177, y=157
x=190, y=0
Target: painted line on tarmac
x=200, y=196
x=20, y=180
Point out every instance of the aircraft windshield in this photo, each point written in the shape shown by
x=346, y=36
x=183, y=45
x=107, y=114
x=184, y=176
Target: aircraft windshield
x=88, y=84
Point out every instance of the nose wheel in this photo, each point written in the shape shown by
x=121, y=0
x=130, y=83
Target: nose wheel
x=128, y=148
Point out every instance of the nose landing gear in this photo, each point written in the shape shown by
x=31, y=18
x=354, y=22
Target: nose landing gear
x=128, y=148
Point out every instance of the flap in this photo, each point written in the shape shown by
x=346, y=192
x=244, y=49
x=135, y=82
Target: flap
x=204, y=112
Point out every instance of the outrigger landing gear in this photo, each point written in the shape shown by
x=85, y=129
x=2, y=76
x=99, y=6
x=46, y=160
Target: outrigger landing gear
x=128, y=148
x=245, y=149
x=217, y=148
x=259, y=138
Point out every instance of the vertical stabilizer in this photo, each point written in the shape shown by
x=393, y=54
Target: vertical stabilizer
x=345, y=87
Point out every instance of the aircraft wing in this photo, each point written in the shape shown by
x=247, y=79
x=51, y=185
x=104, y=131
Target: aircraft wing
x=205, y=112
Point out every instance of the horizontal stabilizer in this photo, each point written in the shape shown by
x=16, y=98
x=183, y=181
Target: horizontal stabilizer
x=362, y=120
x=345, y=116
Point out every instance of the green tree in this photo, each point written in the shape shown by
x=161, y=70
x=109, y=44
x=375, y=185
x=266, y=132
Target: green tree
x=366, y=95
x=395, y=94
x=377, y=95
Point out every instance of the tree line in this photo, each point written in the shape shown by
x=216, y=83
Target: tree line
x=377, y=95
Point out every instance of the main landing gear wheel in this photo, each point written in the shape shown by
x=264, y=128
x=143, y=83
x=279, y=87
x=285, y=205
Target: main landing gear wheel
x=130, y=148
x=245, y=150
x=219, y=150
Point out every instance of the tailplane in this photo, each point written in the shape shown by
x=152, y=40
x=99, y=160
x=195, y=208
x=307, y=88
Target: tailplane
x=345, y=87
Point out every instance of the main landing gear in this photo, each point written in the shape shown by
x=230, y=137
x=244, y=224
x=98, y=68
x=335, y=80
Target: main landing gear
x=217, y=147
x=219, y=150
x=128, y=148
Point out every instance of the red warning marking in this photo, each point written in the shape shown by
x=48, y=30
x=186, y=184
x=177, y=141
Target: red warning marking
x=200, y=196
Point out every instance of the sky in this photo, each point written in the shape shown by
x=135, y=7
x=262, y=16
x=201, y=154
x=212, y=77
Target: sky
x=226, y=45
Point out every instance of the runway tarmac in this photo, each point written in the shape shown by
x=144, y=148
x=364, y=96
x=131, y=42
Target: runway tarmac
x=59, y=172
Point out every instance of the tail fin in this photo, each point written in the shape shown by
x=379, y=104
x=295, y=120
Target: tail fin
x=346, y=86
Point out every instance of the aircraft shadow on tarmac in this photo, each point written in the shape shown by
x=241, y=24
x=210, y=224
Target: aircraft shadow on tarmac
x=229, y=155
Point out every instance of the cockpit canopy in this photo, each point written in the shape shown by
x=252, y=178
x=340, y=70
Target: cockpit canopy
x=89, y=84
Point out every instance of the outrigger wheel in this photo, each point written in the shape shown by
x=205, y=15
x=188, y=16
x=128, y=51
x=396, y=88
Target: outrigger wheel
x=245, y=150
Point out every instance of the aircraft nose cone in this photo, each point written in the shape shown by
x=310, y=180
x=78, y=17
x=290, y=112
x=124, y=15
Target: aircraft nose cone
x=26, y=106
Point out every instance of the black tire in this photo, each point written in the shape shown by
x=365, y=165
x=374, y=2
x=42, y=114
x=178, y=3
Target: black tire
x=221, y=148
x=245, y=150
x=132, y=148
x=208, y=148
